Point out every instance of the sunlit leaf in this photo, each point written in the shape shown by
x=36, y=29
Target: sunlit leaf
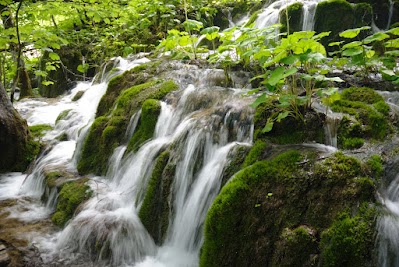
x=352, y=33
x=261, y=99
x=394, y=31
x=379, y=36
x=268, y=127
x=352, y=51
x=54, y=56
x=282, y=115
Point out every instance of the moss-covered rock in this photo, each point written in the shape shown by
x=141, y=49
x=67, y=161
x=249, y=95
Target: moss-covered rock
x=369, y=117
x=249, y=221
x=289, y=130
x=363, y=15
x=294, y=13
x=335, y=16
x=350, y=239
x=145, y=130
x=154, y=210
x=71, y=195
x=63, y=115
x=78, y=95
x=107, y=132
x=380, y=11
x=39, y=130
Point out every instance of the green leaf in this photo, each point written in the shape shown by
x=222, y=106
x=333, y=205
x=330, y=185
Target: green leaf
x=282, y=115
x=394, y=31
x=260, y=100
x=54, y=56
x=291, y=59
x=379, y=36
x=352, y=45
x=392, y=43
x=209, y=30
x=268, y=127
x=335, y=43
x=352, y=51
x=352, y=33
x=47, y=83
x=192, y=25
x=276, y=76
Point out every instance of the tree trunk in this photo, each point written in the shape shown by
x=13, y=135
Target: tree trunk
x=25, y=84
x=16, y=145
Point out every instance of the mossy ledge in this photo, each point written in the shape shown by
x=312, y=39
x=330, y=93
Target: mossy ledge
x=71, y=195
x=107, y=131
x=273, y=213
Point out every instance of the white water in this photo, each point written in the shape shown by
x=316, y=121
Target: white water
x=391, y=7
x=271, y=13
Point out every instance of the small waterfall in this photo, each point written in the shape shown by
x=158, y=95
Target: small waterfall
x=271, y=13
x=391, y=7
x=81, y=115
x=388, y=227
x=331, y=129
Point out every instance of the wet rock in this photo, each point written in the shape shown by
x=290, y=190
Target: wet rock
x=4, y=257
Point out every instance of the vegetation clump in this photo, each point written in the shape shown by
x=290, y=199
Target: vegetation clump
x=71, y=195
x=369, y=117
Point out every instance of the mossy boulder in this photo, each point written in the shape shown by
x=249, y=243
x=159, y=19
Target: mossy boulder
x=78, y=95
x=380, y=11
x=63, y=115
x=335, y=16
x=290, y=130
x=154, y=212
x=273, y=212
x=369, y=117
x=294, y=13
x=71, y=195
x=39, y=130
x=107, y=132
x=363, y=15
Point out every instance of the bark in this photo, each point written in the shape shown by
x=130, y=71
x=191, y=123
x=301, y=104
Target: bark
x=15, y=141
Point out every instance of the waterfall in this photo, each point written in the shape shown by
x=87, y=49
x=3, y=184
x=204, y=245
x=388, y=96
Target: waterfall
x=388, y=226
x=271, y=13
x=391, y=7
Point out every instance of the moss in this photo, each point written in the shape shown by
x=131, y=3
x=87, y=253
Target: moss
x=363, y=15
x=296, y=247
x=149, y=116
x=327, y=15
x=276, y=195
x=78, y=95
x=107, y=132
x=154, y=201
x=374, y=167
x=256, y=153
x=72, y=194
x=62, y=137
x=350, y=239
x=38, y=131
x=63, y=115
x=352, y=143
x=369, y=116
x=380, y=10
x=51, y=178
x=294, y=18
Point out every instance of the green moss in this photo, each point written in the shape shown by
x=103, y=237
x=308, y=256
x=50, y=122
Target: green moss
x=369, y=116
x=361, y=94
x=328, y=13
x=363, y=15
x=154, y=201
x=350, y=239
x=374, y=166
x=352, y=143
x=72, y=194
x=256, y=153
x=62, y=115
x=38, y=131
x=78, y=96
x=276, y=195
x=51, y=178
x=294, y=18
x=235, y=159
x=145, y=130
x=296, y=247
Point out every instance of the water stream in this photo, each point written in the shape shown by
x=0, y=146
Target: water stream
x=271, y=13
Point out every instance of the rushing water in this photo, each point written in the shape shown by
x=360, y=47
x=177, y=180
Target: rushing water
x=271, y=13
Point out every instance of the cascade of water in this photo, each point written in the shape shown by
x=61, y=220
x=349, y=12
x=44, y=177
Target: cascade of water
x=81, y=114
x=388, y=227
x=203, y=125
x=271, y=13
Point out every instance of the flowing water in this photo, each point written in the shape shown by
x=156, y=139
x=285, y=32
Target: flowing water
x=271, y=13
x=199, y=124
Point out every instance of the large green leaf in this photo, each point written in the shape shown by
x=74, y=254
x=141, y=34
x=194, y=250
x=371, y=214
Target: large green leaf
x=352, y=33
x=193, y=25
x=352, y=52
x=379, y=36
